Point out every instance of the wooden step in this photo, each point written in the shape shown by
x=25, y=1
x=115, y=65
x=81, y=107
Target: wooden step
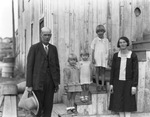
x=141, y=54
x=59, y=110
x=143, y=44
x=99, y=105
x=116, y=115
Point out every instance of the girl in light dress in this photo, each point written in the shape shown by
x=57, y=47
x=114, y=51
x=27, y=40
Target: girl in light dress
x=100, y=55
x=85, y=67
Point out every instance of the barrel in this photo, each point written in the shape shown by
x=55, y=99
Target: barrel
x=8, y=67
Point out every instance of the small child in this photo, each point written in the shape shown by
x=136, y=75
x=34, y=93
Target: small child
x=71, y=82
x=85, y=75
x=100, y=52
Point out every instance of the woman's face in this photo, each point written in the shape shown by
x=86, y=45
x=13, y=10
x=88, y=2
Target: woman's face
x=122, y=44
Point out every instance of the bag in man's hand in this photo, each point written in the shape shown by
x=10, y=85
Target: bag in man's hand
x=29, y=103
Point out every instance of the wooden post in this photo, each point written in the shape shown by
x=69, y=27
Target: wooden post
x=13, y=26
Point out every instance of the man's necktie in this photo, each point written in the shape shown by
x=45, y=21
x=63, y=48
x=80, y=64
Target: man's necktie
x=46, y=50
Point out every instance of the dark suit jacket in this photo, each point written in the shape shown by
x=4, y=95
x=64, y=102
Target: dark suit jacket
x=131, y=69
x=37, y=65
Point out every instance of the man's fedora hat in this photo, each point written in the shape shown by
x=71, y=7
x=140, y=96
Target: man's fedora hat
x=29, y=103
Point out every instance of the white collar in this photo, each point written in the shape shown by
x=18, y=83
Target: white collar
x=45, y=46
x=128, y=54
x=99, y=38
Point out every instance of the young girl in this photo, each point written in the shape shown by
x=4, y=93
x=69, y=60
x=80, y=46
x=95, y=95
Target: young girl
x=100, y=51
x=85, y=75
x=71, y=82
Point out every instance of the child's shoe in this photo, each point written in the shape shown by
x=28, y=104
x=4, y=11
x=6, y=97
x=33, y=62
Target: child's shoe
x=104, y=88
x=82, y=99
x=69, y=110
x=86, y=98
x=74, y=111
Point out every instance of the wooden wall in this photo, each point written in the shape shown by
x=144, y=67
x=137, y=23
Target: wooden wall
x=73, y=24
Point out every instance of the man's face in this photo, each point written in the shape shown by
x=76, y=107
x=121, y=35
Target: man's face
x=45, y=37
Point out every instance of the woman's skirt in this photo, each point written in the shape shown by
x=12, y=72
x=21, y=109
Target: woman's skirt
x=121, y=100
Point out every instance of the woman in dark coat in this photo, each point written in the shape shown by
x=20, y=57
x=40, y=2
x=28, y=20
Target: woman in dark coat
x=124, y=80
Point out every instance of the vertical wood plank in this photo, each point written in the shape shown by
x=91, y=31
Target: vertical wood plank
x=53, y=18
x=93, y=109
x=102, y=12
x=90, y=26
x=61, y=42
x=45, y=12
x=60, y=47
x=121, y=17
x=115, y=23
x=102, y=103
x=139, y=22
x=146, y=16
x=109, y=20
x=66, y=30
x=10, y=107
x=72, y=26
x=14, y=106
x=133, y=22
x=147, y=83
x=86, y=24
x=95, y=18
x=55, y=33
x=76, y=28
x=55, y=22
x=81, y=23
x=141, y=87
x=127, y=18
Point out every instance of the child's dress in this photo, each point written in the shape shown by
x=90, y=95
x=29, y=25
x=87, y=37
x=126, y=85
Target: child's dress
x=85, y=73
x=101, y=48
x=72, y=80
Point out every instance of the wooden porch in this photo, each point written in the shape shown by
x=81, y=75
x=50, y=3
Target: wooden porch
x=59, y=110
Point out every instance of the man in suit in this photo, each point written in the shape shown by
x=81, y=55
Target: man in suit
x=43, y=72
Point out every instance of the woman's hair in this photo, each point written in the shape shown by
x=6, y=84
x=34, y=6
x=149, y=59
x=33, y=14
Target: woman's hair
x=123, y=38
x=72, y=56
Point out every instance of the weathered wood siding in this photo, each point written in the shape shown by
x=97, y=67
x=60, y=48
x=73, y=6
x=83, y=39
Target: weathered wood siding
x=73, y=24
